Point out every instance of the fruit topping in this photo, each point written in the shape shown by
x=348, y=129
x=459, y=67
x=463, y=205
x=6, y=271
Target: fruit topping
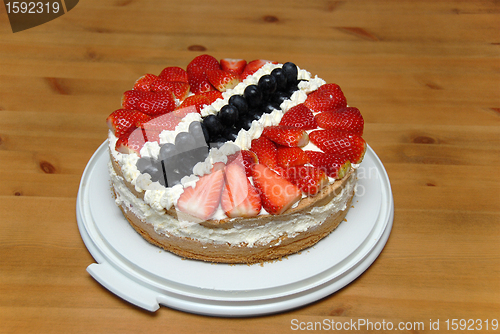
x=134, y=139
x=344, y=144
x=121, y=120
x=347, y=119
x=157, y=103
x=213, y=125
x=233, y=65
x=212, y=95
x=174, y=73
x=334, y=166
x=245, y=158
x=240, y=103
x=267, y=85
x=253, y=96
x=159, y=123
x=280, y=77
x=202, y=200
x=328, y=97
x=199, y=101
x=203, y=62
x=286, y=135
x=198, y=81
x=144, y=82
x=228, y=115
x=178, y=88
x=239, y=197
x=291, y=156
x=266, y=151
x=300, y=117
x=222, y=80
x=290, y=71
x=276, y=193
x=308, y=178
x=254, y=66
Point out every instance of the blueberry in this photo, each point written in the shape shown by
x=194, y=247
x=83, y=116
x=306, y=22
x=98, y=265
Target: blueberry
x=174, y=178
x=245, y=122
x=184, y=141
x=217, y=142
x=230, y=133
x=143, y=163
x=167, y=151
x=228, y=115
x=213, y=125
x=280, y=77
x=291, y=72
x=199, y=132
x=279, y=97
x=267, y=85
x=253, y=95
x=154, y=172
x=200, y=153
x=256, y=113
x=269, y=107
x=240, y=103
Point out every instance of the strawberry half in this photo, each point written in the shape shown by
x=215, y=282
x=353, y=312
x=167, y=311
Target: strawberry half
x=131, y=98
x=178, y=88
x=203, y=200
x=347, y=119
x=254, y=66
x=328, y=97
x=204, y=62
x=276, y=193
x=174, y=73
x=134, y=139
x=300, y=117
x=199, y=101
x=344, y=144
x=239, y=197
x=286, y=135
x=266, y=151
x=144, y=82
x=309, y=179
x=121, y=120
x=198, y=81
x=212, y=95
x=245, y=158
x=235, y=66
x=222, y=80
x=334, y=166
x=159, y=123
x=181, y=112
x=157, y=103
x=291, y=156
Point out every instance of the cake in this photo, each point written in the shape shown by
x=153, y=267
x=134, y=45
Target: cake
x=232, y=161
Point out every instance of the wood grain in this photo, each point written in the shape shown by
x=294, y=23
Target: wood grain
x=425, y=75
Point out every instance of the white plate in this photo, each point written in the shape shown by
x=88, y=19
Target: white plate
x=147, y=276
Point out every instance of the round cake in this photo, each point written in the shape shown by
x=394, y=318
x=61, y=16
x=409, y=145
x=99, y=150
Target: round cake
x=232, y=161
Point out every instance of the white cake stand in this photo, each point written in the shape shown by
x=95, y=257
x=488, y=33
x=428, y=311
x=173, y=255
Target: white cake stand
x=148, y=277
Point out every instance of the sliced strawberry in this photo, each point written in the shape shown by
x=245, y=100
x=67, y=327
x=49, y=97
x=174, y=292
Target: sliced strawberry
x=309, y=179
x=239, y=197
x=334, y=166
x=276, y=193
x=233, y=65
x=204, y=62
x=286, y=135
x=348, y=145
x=134, y=139
x=254, y=66
x=300, y=117
x=212, y=95
x=181, y=112
x=131, y=98
x=328, y=97
x=218, y=166
x=159, y=123
x=198, y=81
x=174, y=73
x=203, y=200
x=222, y=80
x=266, y=151
x=180, y=89
x=245, y=158
x=291, y=156
x=144, y=82
x=199, y=101
x=121, y=120
x=157, y=103
x=347, y=119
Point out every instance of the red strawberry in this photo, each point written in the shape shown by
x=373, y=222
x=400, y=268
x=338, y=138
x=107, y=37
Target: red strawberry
x=159, y=123
x=239, y=197
x=276, y=193
x=204, y=62
x=212, y=95
x=203, y=200
x=123, y=119
x=222, y=80
x=157, y=103
x=198, y=81
x=174, y=73
x=347, y=119
x=300, y=117
x=199, y=101
x=233, y=65
x=132, y=97
x=134, y=139
x=180, y=89
x=245, y=158
x=182, y=112
x=308, y=178
x=286, y=135
x=266, y=151
x=291, y=156
x=254, y=66
x=326, y=98
x=334, y=166
x=348, y=145
x=144, y=82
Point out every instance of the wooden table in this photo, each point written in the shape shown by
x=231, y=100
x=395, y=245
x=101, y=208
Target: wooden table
x=426, y=76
